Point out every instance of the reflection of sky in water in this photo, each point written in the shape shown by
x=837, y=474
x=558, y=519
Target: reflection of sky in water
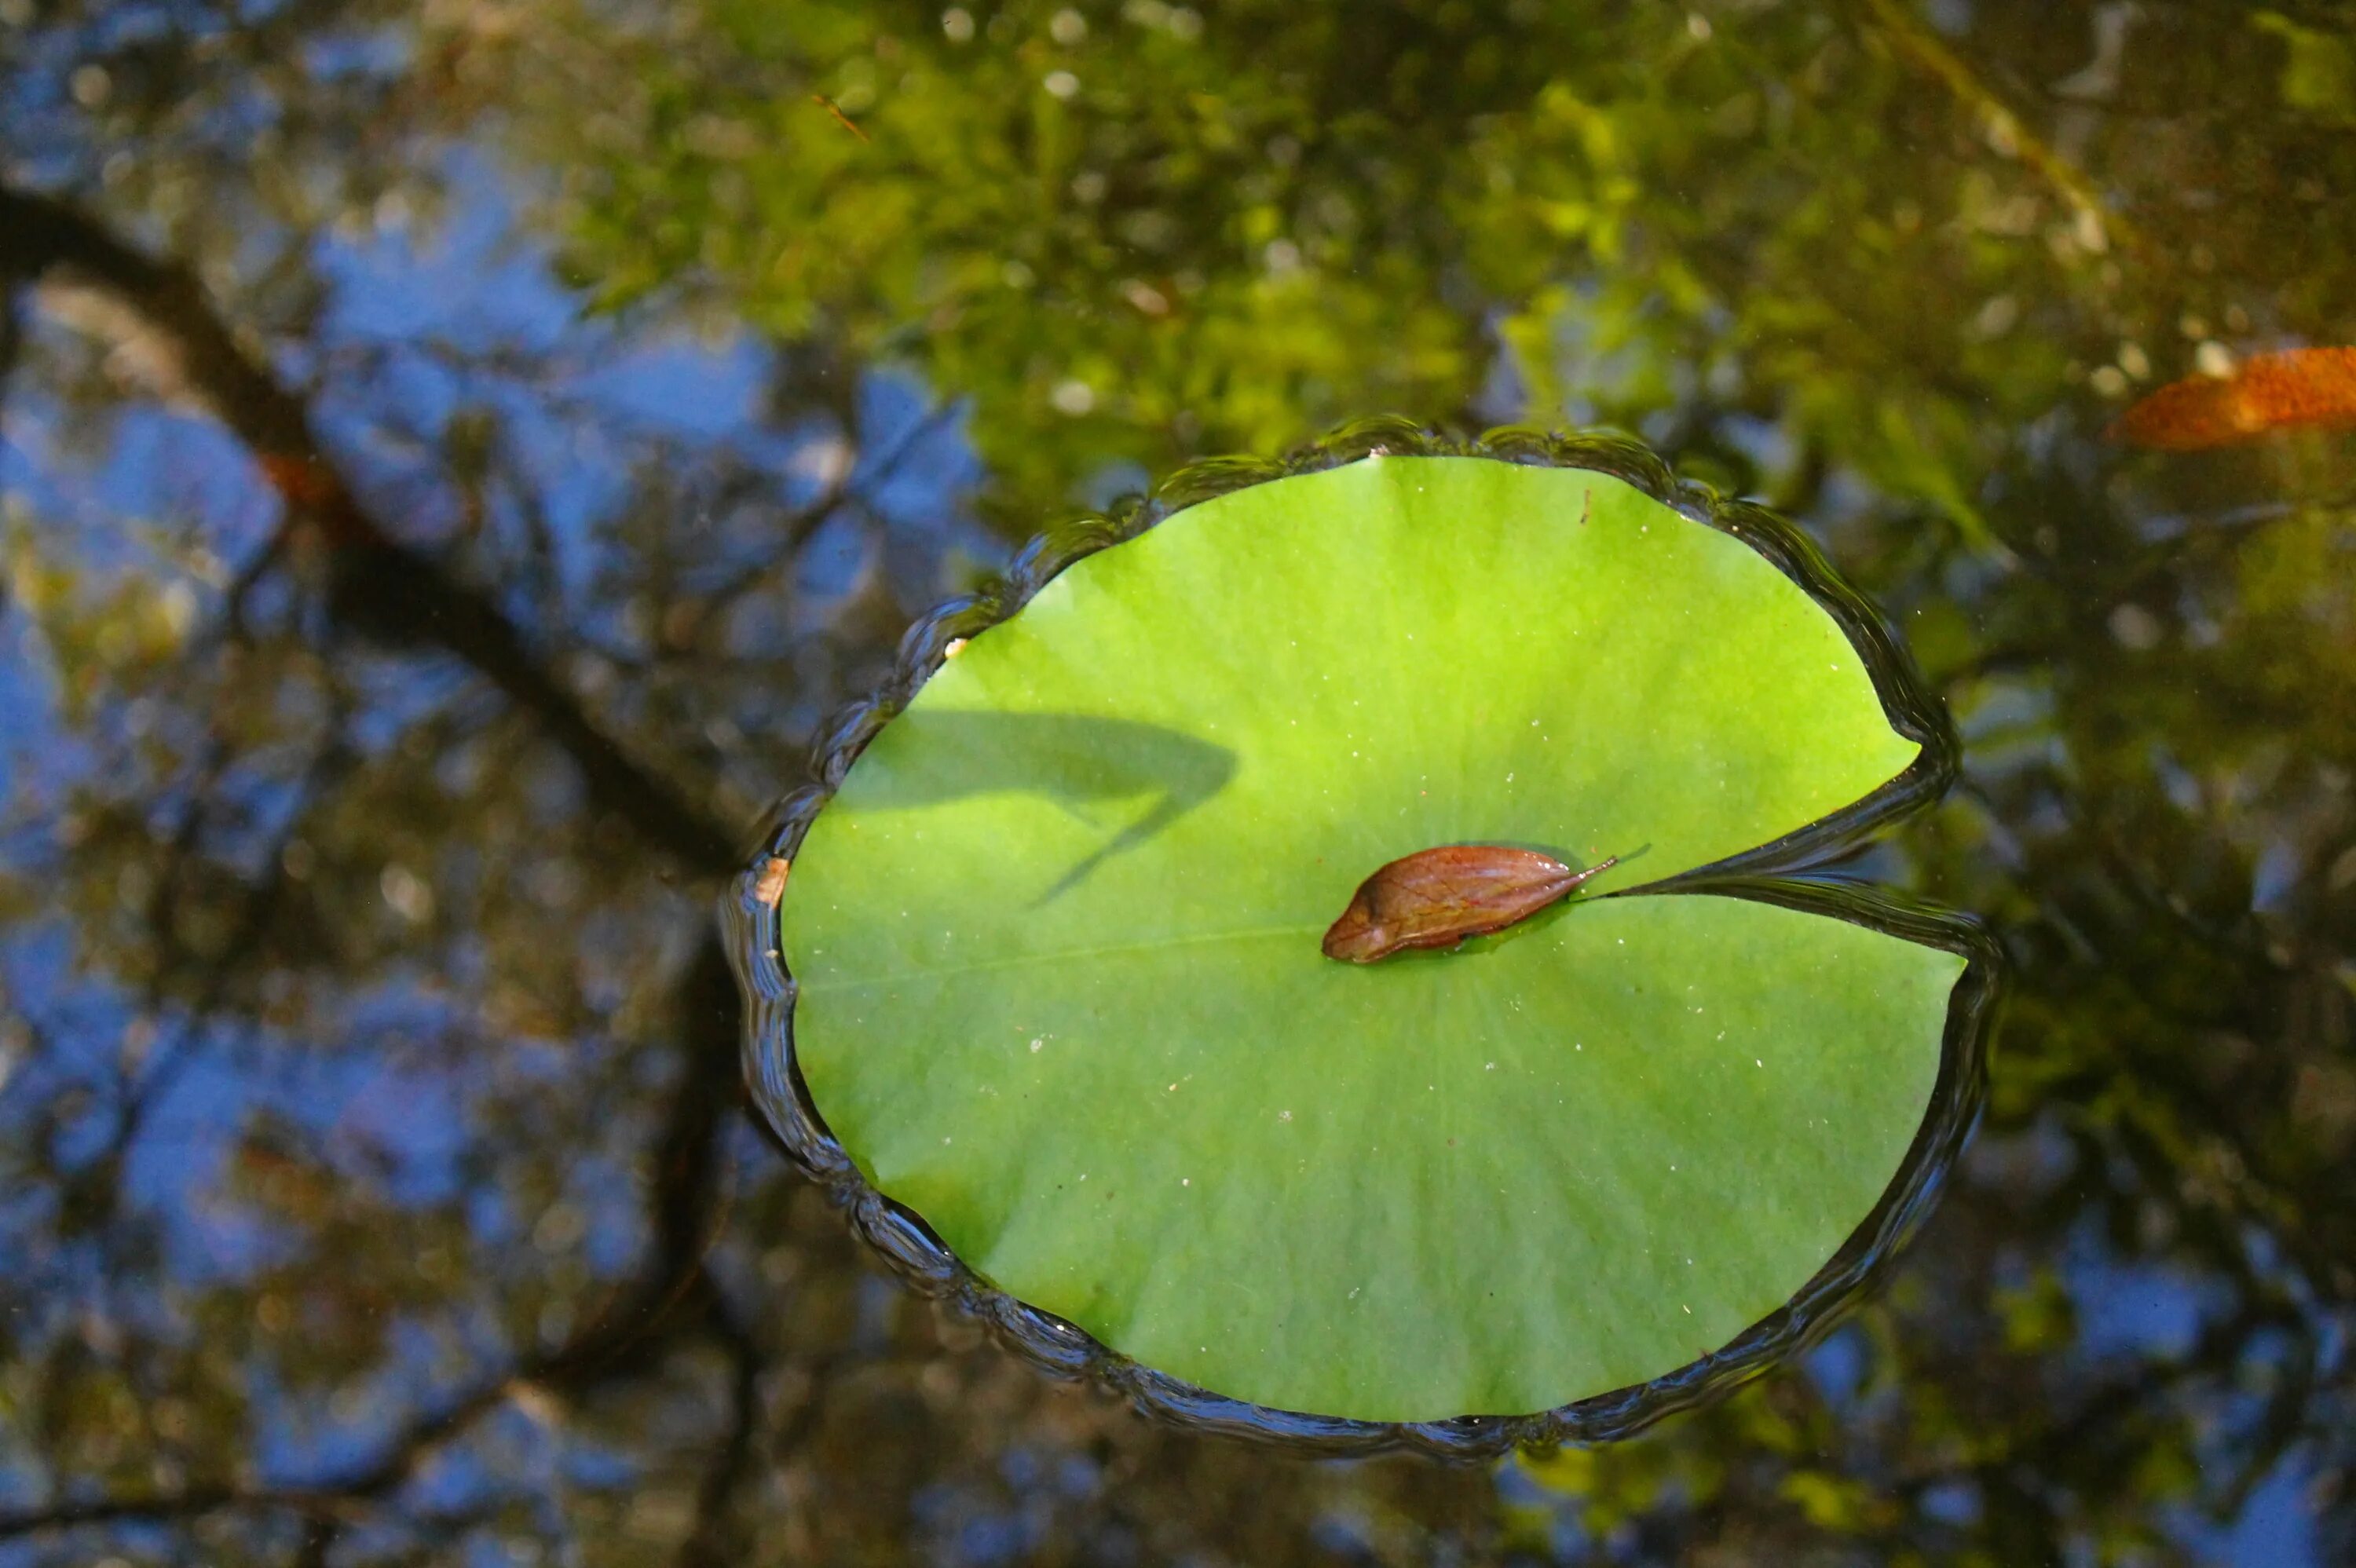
x=2138, y=1309
x=410, y=341
x=1837, y=1366
x=2275, y=1526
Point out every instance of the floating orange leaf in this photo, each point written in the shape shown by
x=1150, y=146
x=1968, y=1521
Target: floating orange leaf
x=2300, y=389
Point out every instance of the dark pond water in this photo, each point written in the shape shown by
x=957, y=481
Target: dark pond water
x=452, y=459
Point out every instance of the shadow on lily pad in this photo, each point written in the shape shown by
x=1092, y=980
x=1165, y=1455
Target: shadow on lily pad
x=1088, y=766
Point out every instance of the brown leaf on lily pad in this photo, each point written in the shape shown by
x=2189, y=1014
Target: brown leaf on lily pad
x=1436, y=898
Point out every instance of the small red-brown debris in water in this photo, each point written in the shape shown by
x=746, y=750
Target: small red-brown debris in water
x=1436, y=898
x=304, y=481
x=771, y=885
x=320, y=510
x=2299, y=389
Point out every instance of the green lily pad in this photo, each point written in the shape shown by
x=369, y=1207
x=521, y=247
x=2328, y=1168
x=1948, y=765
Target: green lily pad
x=1055, y=941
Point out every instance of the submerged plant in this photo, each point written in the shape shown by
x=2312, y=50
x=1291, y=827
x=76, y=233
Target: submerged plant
x=1064, y=1028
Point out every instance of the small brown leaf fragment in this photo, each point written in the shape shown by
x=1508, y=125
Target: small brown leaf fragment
x=1436, y=898
x=771, y=884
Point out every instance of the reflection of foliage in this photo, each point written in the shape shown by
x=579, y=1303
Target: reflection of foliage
x=2318, y=69
x=1225, y=235
x=270, y=879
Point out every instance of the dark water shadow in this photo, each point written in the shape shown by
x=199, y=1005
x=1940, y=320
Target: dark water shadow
x=1075, y=760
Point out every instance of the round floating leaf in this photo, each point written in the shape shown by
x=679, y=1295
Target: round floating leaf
x=1060, y=991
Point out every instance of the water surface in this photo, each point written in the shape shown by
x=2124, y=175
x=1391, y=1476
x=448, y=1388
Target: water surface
x=453, y=460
